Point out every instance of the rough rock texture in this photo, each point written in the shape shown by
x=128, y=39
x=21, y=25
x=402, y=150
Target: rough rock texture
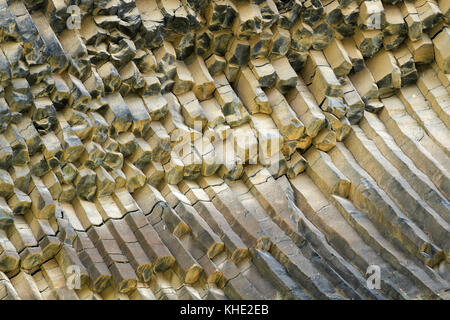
x=224, y=149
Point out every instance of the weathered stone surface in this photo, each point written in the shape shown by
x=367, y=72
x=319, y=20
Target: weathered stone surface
x=224, y=149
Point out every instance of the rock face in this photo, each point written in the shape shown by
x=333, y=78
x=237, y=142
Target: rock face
x=224, y=149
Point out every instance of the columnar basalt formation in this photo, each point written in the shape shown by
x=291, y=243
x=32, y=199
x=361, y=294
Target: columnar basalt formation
x=224, y=149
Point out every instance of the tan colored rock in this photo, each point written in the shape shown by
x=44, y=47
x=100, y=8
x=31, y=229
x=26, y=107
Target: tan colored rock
x=203, y=83
x=412, y=19
x=338, y=58
x=232, y=107
x=263, y=71
x=183, y=79
x=325, y=140
x=368, y=41
x=284, y=117
x=385, y=71
x=364, y=83
x=422, y=49
x=440, y=43
x=286, y=76
x=253, y=97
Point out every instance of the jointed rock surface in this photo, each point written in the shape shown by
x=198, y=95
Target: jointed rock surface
x=224, y=149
